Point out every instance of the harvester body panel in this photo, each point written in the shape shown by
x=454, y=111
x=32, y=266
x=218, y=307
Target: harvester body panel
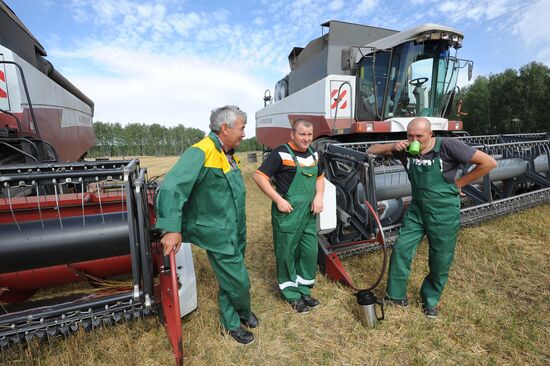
x=62, y=119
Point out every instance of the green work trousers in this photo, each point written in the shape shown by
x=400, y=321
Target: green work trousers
x=234, y=286
x=435, y=212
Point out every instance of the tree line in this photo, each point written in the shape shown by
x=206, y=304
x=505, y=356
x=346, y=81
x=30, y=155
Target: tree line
x=139, y=139
x=509, y=102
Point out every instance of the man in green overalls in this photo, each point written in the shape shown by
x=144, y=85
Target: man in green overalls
x=434, y=210
x=202, y=201
x=297, y=199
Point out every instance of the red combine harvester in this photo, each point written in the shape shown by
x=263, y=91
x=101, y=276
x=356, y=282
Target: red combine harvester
x=65, y=220
x=361, y=85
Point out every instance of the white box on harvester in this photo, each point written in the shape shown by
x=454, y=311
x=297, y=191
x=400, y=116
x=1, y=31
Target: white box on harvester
x=186, y=277
x=327, y=218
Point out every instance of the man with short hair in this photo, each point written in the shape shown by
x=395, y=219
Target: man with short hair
x=203, y=199
x=434, y=209
x=297, y=199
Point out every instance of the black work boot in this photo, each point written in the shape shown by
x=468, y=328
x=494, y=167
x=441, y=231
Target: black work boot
x=402, y=303
x=242, y=335
x=299, y=306
x=310, y=301
x=431, y=313
x=251, y=322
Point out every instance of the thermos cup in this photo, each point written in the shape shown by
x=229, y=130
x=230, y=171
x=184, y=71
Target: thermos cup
x=366, y=306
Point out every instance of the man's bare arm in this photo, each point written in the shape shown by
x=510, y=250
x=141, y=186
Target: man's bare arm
x=265, y=185
x=484, y=164
x=386, y=149
x=317, y=203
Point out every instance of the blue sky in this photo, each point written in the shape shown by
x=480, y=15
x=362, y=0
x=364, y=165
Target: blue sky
x=172, y=61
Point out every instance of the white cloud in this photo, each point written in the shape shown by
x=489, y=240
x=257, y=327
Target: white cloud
x=259, y=21
x=160, y=50
x=464, y=11
x=163, y=88
x=532, y=28
x=365, y=6
x=47, y=3
x=336, y=4
x=183, y=23
x=451, y=7
x=105, y=9
x=496, y=8
x=207, y=35
x=219, y=16
x=422, y=2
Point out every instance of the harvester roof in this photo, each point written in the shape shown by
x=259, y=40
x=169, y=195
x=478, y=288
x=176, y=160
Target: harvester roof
x=425, y=32
x=15, y=36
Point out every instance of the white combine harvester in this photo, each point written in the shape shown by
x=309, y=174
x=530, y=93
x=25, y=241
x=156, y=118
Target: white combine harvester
x=359, y=85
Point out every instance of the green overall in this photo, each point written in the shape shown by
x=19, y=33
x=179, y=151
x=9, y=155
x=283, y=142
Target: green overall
x=234, y=283
x=203, y=197
x=295, y=234
x=434, y=211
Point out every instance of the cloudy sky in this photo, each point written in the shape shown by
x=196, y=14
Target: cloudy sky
x=172, y=61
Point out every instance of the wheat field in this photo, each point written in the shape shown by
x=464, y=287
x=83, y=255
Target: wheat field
x=495, y=309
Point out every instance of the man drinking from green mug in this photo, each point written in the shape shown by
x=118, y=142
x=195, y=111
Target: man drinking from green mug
x=434, y=210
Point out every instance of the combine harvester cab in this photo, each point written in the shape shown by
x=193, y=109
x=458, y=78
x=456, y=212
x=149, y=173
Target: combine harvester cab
x=361, y=85
x=65, y=222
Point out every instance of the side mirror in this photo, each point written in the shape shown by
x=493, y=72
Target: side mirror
x=348, y=58
x=267, y=98
x=470, y=68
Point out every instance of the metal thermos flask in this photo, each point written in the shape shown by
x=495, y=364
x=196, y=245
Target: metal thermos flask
x=366, y=306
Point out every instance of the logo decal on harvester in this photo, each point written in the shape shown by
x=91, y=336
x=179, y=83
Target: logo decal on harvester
x=341, y=108
x=3, y=89
x=343, y=102
x=4, y=101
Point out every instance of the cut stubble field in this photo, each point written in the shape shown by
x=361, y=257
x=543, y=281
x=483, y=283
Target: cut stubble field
x=495, y=309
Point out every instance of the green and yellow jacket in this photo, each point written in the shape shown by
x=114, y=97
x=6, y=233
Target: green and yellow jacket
x=204, y=198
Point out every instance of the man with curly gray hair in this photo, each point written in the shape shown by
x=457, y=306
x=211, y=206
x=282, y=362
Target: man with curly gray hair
x=202, y=201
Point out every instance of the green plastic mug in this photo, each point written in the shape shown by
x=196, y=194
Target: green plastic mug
x=414, y=148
